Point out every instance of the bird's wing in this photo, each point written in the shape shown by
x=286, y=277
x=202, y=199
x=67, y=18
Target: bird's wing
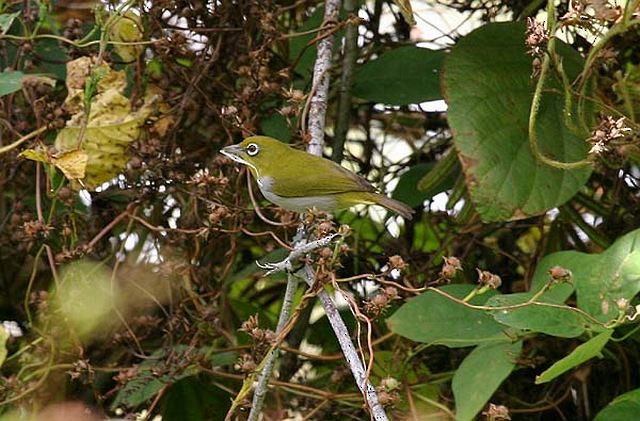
x=319, y=176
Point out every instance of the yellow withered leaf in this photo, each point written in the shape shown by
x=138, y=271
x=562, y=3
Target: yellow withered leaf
x=127, y=27
x=35, y=155
x=72, y=163
x=103, y=136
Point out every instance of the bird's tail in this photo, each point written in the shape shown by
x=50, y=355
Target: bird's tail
x=400, y=208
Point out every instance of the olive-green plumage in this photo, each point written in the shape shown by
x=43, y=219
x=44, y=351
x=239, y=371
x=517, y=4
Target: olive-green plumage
x=296, y=180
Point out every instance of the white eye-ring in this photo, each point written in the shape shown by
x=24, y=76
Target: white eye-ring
x=253, y=149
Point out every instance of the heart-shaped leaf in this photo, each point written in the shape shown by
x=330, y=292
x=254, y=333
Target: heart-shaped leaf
x=489, y=89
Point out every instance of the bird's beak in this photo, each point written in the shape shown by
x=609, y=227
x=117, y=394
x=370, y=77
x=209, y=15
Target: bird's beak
x=234, y=152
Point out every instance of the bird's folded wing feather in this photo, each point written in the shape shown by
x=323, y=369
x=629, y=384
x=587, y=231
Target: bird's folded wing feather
x=315, y=178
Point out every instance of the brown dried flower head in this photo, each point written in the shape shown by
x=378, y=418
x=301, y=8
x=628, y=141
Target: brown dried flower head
x=489, y=279
x=537, y=37
x=607, y=131
x=497, y=412
x=560, y=274
x=450, y=267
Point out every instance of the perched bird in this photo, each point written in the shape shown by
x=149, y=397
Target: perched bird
x=298, y=181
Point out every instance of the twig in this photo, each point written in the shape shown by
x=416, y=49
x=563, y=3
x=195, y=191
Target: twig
x=316, y=126
x=318, y=107
x=265, y=374
x=23, y=139
x=300, y=249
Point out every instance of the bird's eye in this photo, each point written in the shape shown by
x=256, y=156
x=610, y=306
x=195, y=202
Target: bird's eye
x=253, y=149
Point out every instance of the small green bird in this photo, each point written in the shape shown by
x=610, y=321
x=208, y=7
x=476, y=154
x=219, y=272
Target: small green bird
x=298, y=181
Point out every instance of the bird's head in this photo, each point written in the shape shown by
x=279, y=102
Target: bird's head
x=259, y=153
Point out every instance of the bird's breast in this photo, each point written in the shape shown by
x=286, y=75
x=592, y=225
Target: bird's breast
x=296, y=203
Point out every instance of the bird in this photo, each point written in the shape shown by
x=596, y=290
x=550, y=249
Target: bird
x=298, y=181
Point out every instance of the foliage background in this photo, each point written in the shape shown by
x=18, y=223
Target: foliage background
x=142, y=296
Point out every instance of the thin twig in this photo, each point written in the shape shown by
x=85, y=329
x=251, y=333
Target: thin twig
x=265, y=374
x=23, y=139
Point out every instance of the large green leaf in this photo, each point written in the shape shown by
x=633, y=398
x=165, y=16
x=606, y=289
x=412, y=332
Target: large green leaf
x=480, y=374
x=405, y=75
x=488, y=86
x=435, y=319
x=582, y=353
x=6, y=20
x=624, y=407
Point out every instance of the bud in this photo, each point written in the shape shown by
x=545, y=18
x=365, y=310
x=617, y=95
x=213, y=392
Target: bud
x=560, y=274
x=396, y=262
x=488, y=279
x=450, y=267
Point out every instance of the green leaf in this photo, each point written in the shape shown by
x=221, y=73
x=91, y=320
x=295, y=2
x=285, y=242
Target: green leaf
x=480, y=375
x=6, y=20
x=53, y=58
x=582, y=353
x=405, y=75
x=155, y=373
x=434, y=319
x=624, y=407
x=407, y=189
x=600, y=282
x=302, y=50
x=488, y=86
x=10, y=82
x=603, y=279
x=276, y=126
x=564, y=323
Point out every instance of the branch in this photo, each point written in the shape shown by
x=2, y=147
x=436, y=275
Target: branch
x=300, y=249
x=348, y=349
x=316, y=126
x=318, y=107
x=265, y=374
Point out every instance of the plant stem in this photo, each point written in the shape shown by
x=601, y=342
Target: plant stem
x=344, y=103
